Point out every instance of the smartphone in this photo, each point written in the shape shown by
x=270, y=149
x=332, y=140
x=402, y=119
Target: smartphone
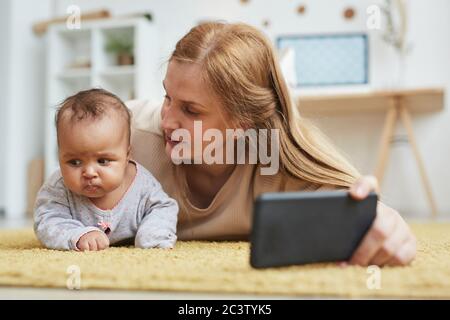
x=294, y=228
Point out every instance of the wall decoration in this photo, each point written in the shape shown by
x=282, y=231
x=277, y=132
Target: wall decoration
x=396, y=25
x=301, y=9
x=335, y=59
x=395, y=13
x=349, y=13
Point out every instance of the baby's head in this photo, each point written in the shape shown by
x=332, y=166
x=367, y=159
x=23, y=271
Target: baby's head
x=93, y=131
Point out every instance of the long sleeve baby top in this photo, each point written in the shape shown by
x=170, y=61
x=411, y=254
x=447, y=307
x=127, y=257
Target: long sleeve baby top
x=145, y=214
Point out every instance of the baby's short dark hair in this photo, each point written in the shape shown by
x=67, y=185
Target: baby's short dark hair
x=93, y=104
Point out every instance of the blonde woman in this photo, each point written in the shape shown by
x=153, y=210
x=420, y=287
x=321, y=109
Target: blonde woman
x=226, y=76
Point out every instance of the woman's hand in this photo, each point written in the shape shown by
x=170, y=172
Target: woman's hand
x=389, y=240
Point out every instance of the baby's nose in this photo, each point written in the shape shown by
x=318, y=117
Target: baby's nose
x=89, y=173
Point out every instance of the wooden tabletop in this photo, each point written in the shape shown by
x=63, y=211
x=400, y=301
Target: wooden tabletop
x=416, y=100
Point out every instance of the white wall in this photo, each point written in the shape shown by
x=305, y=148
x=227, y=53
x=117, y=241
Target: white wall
x=4, y=92
x=357, y=135
x=23, y=109
x=427, y=65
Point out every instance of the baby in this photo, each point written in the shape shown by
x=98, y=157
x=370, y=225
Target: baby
x=100, y=196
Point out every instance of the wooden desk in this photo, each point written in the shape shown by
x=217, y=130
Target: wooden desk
x=398, y=105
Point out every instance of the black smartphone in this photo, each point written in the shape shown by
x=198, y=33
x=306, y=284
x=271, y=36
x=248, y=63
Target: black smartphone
x=292, y=228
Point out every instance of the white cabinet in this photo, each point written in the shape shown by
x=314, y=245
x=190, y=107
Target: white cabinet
x=77, y=59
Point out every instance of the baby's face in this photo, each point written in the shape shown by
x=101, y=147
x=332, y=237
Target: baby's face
x=93, y=155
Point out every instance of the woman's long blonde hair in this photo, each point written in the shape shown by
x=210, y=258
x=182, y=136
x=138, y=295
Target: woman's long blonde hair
x=240, y=66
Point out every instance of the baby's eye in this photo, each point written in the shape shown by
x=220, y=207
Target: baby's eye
x=74, y=162
x=103, y=162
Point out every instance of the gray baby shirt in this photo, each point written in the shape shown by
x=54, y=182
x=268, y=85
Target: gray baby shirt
x=145, y=213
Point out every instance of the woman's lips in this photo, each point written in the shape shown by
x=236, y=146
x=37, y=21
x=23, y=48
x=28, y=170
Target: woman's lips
x=171, y=142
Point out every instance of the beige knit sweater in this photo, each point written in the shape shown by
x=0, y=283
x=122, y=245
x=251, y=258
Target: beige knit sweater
x=229, y=215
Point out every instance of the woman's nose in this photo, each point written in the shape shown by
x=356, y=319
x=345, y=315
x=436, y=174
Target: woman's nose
x=169, y=119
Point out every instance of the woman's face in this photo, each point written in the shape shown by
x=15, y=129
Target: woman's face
x=189, y=105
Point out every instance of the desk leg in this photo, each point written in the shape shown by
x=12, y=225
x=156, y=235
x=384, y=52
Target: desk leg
x=383, y=153
x=406, y=119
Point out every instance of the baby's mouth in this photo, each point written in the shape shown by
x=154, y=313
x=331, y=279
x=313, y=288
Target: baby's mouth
x=91, y=188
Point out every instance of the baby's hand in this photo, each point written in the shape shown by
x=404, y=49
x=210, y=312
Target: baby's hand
x=93, y=241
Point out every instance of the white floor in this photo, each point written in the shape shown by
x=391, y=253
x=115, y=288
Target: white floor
x=14, y=293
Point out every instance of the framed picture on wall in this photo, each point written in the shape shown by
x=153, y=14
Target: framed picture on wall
x=325, y=59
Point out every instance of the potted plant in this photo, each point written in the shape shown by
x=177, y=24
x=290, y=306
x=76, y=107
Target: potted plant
x=122, y=47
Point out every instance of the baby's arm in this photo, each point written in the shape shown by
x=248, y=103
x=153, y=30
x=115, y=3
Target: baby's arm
x=53, y=223
x=158, y=226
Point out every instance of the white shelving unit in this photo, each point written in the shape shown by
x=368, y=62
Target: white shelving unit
x=138, y=81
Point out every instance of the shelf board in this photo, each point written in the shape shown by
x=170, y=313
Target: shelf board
x=73, y=74
x=74, y=34
x=118, y=71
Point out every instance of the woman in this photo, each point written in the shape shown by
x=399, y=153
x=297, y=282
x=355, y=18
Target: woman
x=226, y=76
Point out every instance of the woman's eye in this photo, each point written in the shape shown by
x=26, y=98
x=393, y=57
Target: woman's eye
x=190, y=111
x=103, y=162
x=74, y=163
x=166, y=97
